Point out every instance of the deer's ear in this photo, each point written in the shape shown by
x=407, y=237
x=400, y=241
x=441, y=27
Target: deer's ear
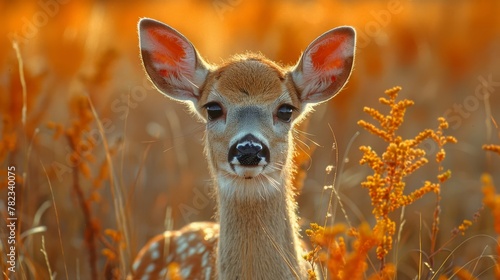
x=325, y=65
x=171, y=61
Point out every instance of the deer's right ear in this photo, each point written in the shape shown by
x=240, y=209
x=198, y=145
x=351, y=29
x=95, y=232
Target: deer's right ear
x=171, y=61
x=325, y=65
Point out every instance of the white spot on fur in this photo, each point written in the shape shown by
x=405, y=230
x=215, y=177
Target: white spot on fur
x=183, y=245
x=136, y=265
x=155, y=255
x=150, y=268
x=200, y=248
x=192, y=237
x=182, y=257
x=153, y=249
x=208, y=272
x=191, y=251
x=204, y=260
x=170, y=258
x=186, y=272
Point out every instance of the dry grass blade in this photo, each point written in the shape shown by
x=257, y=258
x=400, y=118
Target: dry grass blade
x=57, y=220
x=44, y=252
x=24, y=110
x=117, y=194
x=452, y=252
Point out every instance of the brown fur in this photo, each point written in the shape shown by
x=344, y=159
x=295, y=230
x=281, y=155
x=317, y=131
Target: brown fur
x=251, y=75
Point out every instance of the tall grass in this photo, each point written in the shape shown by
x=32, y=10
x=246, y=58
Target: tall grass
x=100, y=155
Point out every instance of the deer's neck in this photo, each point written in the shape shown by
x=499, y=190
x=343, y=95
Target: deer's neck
x=258, y=231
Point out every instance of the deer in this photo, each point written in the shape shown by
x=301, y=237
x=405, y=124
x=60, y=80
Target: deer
x=250, y=106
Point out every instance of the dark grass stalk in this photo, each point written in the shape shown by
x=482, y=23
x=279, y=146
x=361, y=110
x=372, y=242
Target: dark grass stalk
x=382, y=264
x=89, y=235
x=435, y=231
x=90, y=238
x=436, y=215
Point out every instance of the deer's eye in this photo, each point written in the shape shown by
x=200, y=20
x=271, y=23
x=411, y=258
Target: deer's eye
x=284, y=113
x=214, y=110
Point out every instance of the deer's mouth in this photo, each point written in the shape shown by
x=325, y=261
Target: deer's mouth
x=247, y=172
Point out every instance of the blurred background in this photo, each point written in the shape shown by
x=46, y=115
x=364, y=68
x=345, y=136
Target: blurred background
x=94, y=216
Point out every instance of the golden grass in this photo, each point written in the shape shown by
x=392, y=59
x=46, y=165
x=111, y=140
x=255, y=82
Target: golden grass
x=386, y=188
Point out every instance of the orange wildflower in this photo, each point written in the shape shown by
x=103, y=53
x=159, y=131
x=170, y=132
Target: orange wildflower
x=492, y=148
x=332, y=250
x=491, y=199
x=401, y=158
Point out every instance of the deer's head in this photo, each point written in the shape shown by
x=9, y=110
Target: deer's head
x=249, y=104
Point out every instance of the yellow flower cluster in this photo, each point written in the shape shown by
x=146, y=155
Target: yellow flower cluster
x=464, y=226
x=491, y=199
x=492, y=148
x=401, y=158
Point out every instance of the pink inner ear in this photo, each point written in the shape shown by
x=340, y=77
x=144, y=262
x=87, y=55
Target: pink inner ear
x=327, y=55
x=169, y=49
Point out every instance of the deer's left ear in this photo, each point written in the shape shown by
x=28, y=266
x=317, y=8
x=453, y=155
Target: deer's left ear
x=171, y=61
x=325, y=65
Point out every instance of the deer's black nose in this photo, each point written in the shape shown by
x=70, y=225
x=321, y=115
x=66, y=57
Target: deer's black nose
x=248, y=151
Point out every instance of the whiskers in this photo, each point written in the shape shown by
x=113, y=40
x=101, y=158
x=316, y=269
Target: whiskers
x=228, y=176
x=302, y=136
x=303, y=144
x=270, y=181
x=260, y=180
